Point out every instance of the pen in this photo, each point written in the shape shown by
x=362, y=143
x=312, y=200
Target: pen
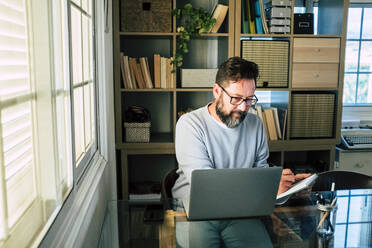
x=327, y=213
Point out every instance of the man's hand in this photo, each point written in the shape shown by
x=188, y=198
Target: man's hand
x=306, y=192
x=286, y=181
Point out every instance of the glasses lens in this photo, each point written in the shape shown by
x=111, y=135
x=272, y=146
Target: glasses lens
x=236, y=100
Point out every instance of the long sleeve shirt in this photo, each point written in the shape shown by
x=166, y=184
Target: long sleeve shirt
x=204, y=143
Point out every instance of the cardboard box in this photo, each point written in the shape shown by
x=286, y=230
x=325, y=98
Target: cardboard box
x=198, y=78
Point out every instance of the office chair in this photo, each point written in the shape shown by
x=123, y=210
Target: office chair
x=343, y=180
x=167, y=185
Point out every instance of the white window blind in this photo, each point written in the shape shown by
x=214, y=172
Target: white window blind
x=18, y=188
x=47, y=111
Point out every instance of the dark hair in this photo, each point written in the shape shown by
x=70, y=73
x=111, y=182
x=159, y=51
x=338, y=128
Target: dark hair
x=236, y=68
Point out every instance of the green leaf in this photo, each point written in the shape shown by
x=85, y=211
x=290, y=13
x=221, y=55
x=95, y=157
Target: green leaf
x=195, y=21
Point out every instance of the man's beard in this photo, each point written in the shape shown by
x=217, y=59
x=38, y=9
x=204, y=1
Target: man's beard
x=228, y=119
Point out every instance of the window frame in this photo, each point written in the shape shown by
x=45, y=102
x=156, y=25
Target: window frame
x=80, y=167
x=359, y=40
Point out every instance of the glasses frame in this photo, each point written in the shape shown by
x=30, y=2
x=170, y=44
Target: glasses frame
x=241, y=99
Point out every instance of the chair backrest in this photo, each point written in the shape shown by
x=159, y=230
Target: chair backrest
x=167, y=185
x=343, y=180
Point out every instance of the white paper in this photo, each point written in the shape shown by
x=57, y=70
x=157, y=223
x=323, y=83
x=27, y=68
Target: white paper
x=303, y=184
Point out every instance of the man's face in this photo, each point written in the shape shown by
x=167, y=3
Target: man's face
x=232, y=115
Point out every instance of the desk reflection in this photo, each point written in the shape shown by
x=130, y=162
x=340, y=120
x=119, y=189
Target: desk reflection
x=291, y=225
x=222, y=233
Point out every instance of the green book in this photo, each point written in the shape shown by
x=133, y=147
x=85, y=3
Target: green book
x=245, y=23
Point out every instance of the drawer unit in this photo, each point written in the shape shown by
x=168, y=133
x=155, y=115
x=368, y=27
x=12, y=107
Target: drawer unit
x=315, y=75
x=318, y=50
x=358, y=161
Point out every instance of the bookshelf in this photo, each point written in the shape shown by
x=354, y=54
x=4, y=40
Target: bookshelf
x=153, y=159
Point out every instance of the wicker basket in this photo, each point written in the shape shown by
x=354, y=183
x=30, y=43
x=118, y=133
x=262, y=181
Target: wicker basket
x=137, y=131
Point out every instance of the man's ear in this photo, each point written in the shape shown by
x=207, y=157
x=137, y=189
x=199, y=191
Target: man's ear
x=216, y=91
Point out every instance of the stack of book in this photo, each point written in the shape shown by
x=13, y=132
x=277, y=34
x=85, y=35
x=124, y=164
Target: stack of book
x=278, y=13
x=274, y=120
x=138, y=73
x=253, y=17
x=312, y=115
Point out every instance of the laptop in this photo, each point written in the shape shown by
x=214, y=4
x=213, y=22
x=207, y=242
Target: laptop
x=232, y=193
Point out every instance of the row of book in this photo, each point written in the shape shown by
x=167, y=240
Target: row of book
x=274, y=120
x=253, y=17
x=140, y=73
x=265, y=17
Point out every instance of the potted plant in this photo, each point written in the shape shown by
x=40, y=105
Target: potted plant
x=193, y=23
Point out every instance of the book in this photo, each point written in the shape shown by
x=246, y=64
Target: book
x=163, y=72
x=128, y=79
x=157, y=70
x=124, y=82
x=145, y=72
x=263, y=17
x=282, y=115
x=139, y=76
x=245, y=23
x=251, y=16
x=270, y=124
x=277, y=124
x=301, y=185
x=219, y=14
x=258, y=20
x=168, y=73
x=263, y=118
x=148, y=72
x=132, y=74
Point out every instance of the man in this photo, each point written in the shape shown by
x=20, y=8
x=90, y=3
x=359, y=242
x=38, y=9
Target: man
x=223, y=134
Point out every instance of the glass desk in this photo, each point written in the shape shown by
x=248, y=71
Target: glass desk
x=291, y=225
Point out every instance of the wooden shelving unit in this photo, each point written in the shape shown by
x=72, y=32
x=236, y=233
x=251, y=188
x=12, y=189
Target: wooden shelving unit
x=165, y=103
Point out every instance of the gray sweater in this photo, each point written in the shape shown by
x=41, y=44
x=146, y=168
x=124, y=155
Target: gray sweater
x=204, y=143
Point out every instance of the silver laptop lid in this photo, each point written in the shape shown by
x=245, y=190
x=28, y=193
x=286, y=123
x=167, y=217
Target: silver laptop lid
x=232, y=193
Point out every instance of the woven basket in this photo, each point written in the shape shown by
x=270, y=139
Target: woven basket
x=137, y=131
x=146, y=15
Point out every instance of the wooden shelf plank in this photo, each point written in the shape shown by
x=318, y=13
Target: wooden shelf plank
x=146, y=34
x=194, y=89
x=265, y=35
x=147, y=90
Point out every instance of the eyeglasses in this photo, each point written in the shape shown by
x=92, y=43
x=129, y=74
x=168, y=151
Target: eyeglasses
x=234, y=100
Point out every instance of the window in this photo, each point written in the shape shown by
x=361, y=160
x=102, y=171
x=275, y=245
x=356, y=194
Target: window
x=358, y=58
x=47, y=111
x=82, y=82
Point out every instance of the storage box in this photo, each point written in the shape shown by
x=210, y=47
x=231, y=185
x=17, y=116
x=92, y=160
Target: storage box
x=280, y=22
x=303, y=23
x=281, y=2
x=137, y=131
x=278, y=12
x=198, y=77
x=280, y=29
x=145, y=15
x=272, y=58
x=313, y=115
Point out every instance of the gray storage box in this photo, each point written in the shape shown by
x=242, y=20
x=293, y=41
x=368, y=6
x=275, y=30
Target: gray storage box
x=281, y=2
x=198, y=77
